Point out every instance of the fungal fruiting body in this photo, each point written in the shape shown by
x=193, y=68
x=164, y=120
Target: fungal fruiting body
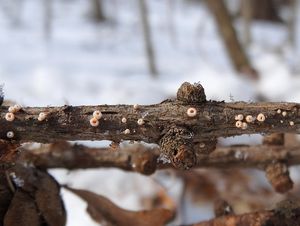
x=9, y=117
x=14, y=109
x=202, y=145
x=42, y=116
x=191, y=112
x=94, y=122
x=278, y=111
x=284, y=113
x=238, y=124
x=127, y=131
x=11, y=109
x=239, y=117
x=244, y=125
x=135, y=106
x=140, y=121
x=97, y=114
x=17, y=107
x=292, y=123
x=261, y=117
x=249, y=118
x=10, y=134
x=123, y=120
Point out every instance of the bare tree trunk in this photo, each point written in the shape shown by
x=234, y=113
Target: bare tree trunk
x=170, y=20
x=246, y=9
x=47, y=18
x=97, y=10
x=229, y=36
x=265, y=10
x=147, y=38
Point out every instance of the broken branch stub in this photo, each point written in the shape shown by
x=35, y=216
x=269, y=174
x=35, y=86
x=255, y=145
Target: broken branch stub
x=189, y=93
x=277, y=172
x=177, y=145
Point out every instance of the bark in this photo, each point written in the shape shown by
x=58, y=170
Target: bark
x=178, y=126
x=144, y=160
x=236, y=52
x=281, y=216
x=213, y=119
x=147, y=36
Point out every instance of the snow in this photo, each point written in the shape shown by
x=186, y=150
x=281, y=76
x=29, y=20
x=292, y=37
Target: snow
x=81, y=62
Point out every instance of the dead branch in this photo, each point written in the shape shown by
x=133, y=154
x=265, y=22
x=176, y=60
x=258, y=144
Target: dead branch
x=287, y=213
x=178, y=126
x=145, y=160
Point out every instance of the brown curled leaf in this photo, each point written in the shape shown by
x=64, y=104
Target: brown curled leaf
x=22, y=211
x=103, y=210
x=49, y=201
x=6, y=196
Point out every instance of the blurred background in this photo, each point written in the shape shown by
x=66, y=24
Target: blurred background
x=56, y=52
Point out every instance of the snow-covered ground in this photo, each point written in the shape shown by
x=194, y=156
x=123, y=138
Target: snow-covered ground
x=82, y=62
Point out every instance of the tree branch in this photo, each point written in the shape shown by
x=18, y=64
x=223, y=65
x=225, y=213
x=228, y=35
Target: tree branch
x=287, y=213
x=190, y=121
x=145, y=160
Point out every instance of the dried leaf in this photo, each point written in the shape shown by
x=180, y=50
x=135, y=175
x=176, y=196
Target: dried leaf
x=45, y=191
x=6, y=196
x=49, y=201
x=22, y=211
x=102, y=209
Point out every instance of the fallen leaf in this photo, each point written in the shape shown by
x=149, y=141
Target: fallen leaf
x=22, y=211
x=103, y=210
x=49, y=201
x=6, y=196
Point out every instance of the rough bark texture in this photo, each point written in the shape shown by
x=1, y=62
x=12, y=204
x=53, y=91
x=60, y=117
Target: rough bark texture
x=144, y=160
x=213, y=119
x=229, y=36
x=286, y=213
x=184, y=128
x=277, y=172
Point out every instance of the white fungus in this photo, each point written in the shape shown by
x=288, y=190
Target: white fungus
x=249, y=118
x=97, y=114
x=292, y=123
x=261, y=117
x=17, y=107
x=42, y=116
x=278, y=111
x=123, y=120
x=94, y=122
x=191, y=112
x=10, y=134
x=284, y=113
x=238, y=124
x=202, y=145
x=239, y=117
x=127, y=131
x=11, y=109
x=244, y=125
x=9, y=117
x=135, y=106
x=140, y=121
